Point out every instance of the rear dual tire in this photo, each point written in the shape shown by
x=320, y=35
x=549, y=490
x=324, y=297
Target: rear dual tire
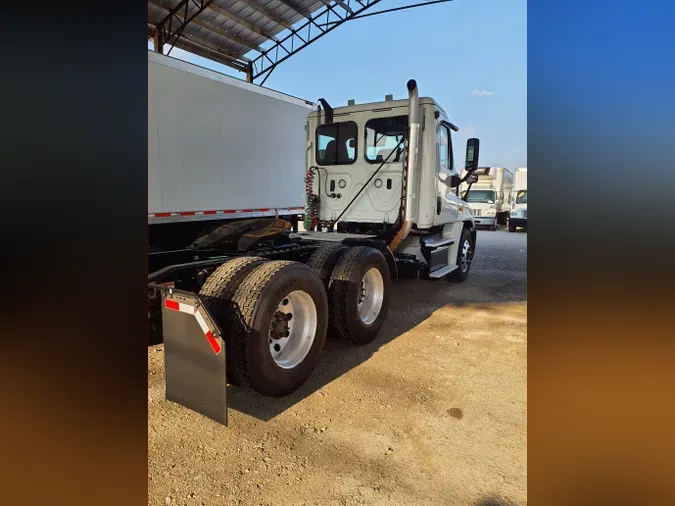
x=217, y=293
x=324, y=259
x=269, y=351
x=358, y=294
x=257, y=362
x=275, y=314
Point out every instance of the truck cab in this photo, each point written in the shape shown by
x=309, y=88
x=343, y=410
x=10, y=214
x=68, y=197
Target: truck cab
x=362, y=182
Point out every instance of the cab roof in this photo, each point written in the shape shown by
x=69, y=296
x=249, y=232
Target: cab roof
x=379, y=106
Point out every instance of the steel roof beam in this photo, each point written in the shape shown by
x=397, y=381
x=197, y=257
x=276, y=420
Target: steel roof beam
x=268, y=14
x=242, y=22
x=340, y=3
x=209, y=54
x=215, y=29
x=226, y=35
x=344, y=6
x=172, y=26
x=296, y=8
x=311, y=31
x=222, y=51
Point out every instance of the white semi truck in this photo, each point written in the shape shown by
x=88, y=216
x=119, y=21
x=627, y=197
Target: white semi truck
x=518, y=214
x=380, y=185
x=490, y=196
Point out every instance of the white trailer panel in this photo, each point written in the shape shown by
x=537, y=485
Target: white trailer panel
x=499, y=179
x=521, y=179
x=217, y=143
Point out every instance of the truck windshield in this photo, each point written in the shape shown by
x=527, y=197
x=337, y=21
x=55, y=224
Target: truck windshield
x=382, y=137
x=521, y=198
x=485, y=196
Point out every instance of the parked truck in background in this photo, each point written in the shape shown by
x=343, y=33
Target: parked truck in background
x=518, y=214
x=380, y=185
x=489, y=198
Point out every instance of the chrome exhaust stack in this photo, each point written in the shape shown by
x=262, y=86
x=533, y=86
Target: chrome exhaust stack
x=412, y=161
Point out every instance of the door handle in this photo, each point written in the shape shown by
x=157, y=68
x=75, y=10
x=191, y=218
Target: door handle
x=439, y=205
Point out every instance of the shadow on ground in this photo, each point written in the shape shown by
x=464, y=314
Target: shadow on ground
x=498, y=275
x=494, y=501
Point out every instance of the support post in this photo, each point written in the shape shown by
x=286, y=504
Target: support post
x=159, y=41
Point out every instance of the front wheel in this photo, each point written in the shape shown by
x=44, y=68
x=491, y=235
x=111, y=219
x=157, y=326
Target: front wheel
x=464, y=257
x=512, y=227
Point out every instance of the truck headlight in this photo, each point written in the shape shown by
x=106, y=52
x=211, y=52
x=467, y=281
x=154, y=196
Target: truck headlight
x=490, y=212
x=514, y=213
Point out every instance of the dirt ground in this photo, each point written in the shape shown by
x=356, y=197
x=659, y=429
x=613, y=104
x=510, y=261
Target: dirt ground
x=433, y=412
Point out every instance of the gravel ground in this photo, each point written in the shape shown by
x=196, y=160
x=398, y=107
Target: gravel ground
x=433, y=412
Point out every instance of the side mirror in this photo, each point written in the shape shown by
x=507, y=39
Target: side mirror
x=352, y=143
x=471, y=163
x=322, y=154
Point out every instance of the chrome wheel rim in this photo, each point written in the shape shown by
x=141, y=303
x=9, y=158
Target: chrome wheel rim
x=371, y=296
x=466, y=256
x=293, y=329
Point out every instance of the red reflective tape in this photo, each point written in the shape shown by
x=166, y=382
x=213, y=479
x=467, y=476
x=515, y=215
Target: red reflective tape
x=172, y=304
x=225, y=211
x=213, y=342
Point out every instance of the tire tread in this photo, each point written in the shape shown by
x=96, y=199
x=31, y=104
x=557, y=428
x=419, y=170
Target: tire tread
x=338, y=292
x=217, y=292
x=242, y=307
x=323, y=260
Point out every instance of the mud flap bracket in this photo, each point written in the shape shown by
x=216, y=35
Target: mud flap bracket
x=194, y=355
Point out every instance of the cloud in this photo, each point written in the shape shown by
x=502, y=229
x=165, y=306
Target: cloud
x=482, y=93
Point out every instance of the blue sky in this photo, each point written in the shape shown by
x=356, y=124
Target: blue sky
x=470, y=55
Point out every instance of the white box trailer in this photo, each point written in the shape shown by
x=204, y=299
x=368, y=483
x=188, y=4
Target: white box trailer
x=220, y=148
x=490, y=196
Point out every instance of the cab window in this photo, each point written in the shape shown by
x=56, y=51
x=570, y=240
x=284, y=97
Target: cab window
x=383, y=139
x=445, y=160
x=336, y=143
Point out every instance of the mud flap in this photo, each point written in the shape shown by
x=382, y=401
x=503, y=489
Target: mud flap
x=194, y=356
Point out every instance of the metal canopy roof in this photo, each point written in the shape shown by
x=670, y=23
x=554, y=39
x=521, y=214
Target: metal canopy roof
x=252, y=36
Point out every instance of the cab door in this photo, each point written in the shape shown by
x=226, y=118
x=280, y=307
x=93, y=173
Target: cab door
x=447, y=203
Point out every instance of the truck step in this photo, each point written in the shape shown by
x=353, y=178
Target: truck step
x=438, y=243
x=443, y=271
